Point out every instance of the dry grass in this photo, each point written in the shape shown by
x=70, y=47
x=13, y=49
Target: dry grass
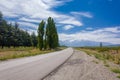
x=105, y=54
x=11, y=53
x=111, y=54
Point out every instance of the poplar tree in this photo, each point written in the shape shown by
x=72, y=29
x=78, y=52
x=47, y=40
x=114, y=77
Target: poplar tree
x=54, y=35
x=41, y=34
x=45, y=40
x=51, y=33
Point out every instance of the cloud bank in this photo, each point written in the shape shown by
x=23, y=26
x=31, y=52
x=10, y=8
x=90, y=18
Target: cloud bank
x=108, y=35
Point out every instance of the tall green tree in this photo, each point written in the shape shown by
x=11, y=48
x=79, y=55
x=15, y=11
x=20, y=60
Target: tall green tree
x=34, y=39
x=45, y=40
x=12, y=35
x=41, y=35
x=3, y=33
x=1, y=22
x=51, y=34
x=1, y=18
x=54, y=35
x=16, y=35
x=9, y=35
x=48, y=33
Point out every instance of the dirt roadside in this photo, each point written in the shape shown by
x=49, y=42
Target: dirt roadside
x=82, y=67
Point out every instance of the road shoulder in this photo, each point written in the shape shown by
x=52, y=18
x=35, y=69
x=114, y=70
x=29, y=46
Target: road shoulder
x=81, y=67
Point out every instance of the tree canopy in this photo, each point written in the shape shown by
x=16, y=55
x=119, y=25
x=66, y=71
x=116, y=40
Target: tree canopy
x=12, y=35
x=48, y=35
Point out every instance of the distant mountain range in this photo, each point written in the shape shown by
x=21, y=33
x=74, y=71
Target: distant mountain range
x=85, y=43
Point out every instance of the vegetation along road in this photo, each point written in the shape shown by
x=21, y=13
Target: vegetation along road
x=33, y=68
x=78, y=65
x=81, y=66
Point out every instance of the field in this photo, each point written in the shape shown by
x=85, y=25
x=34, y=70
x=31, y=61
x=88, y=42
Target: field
x=11, y=53
x=104, y=53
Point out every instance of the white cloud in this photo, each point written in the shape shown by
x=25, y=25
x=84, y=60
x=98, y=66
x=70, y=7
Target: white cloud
x=10, y=14
x=35, y=10
x=85, y=14
x=100, y=35
x=30, y=20
x=67, y=27
x=29, y=25
x=71, y=21
x=31, y=8
x=115, y=29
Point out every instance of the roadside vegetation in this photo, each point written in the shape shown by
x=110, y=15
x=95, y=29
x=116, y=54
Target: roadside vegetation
x=117, y=71
x=16, y=43
x=106, y=55
x=12, y=53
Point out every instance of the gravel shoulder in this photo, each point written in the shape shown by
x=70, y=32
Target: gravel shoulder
x=81, y=66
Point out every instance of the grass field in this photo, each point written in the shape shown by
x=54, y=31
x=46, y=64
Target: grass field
x=11, y=53
x=111, y=54
x=104, y=53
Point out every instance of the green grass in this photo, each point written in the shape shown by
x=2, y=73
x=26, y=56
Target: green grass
x=118, y=76
x=116, y=70
x=107, y=65
x=12, y=53
x=99, y=56
x=95, y=61
x=95, y=53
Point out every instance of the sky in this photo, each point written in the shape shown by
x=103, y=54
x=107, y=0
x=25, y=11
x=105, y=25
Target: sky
x=78, y=22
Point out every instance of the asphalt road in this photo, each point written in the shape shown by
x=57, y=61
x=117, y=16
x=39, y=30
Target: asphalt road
x=33, y=68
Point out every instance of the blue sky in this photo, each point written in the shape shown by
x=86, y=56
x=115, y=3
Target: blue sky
x=77, y=21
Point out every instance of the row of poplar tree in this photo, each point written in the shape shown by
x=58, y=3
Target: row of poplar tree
x=47, y=35
x=12, y=36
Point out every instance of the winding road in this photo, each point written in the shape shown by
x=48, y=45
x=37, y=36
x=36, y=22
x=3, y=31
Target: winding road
x=68, y=64
x=33, y=68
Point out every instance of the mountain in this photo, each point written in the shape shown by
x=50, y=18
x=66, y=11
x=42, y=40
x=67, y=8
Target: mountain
x=83, y=43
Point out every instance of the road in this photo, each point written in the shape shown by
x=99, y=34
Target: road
x=33, y=68
x=81, y=66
